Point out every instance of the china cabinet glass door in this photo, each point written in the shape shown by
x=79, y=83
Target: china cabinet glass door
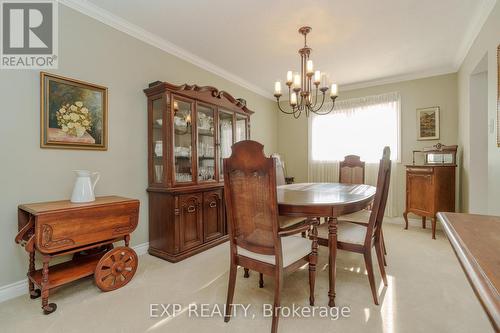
x=183, y=140
x=206, y=142
x=226, y=137
x=157, y=141
x=241, y=132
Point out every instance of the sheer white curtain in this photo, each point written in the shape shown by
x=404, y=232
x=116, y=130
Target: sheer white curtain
x=360, y=126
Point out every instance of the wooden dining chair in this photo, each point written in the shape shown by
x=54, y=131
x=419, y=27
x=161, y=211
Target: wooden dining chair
x=359, y=237
x=256, y=239
x=284, y=221
x=352, y=170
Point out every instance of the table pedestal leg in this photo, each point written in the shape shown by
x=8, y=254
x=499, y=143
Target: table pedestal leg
x=332, y=246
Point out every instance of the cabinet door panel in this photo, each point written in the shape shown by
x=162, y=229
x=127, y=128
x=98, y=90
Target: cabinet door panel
x=191, y=225
x=226, y=138
x=213, y=222
x=420, y=192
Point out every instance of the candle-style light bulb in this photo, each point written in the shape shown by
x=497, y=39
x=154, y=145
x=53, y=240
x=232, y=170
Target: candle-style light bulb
x=334, y=90
x=277, y=88
x=289, y=77
x=293, y=99
x=309, y=67
x=324, y=81
x=317, y=77
x=176, y=106
x=188, y=119
x=296, y=81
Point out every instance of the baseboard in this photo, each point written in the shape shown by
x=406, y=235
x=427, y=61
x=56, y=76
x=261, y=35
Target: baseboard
x=19, y=288
x=141, y=249
x=13, y=290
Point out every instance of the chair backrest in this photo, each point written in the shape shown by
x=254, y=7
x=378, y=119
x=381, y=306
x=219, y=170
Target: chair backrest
x=380, y=201
x=280, y=170
x=352, y=170
x=250, y=195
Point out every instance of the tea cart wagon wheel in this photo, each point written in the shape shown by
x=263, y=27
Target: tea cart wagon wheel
x=116, y=268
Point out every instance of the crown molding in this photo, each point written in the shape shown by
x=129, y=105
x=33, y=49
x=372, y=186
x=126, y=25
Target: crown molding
x=398, y=78
x=477, y=22
x=87, y=8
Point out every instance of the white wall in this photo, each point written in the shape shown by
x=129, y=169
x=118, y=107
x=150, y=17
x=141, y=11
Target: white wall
x=93, y=52
x=478, y=189
x=484, y=45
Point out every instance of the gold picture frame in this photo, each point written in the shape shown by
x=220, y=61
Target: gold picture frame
x=498, y=96
x=428, y=123
x=73, y=113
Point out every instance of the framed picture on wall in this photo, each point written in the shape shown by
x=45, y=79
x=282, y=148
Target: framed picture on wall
x=428, y=123
x=498, y=96
x=73, y=113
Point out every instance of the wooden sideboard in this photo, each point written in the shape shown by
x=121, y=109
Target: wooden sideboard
x=191, y=129
x=429, y=189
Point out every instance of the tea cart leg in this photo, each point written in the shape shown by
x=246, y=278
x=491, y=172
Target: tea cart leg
x=34, y=293
x=47, y=308
x=127, y=240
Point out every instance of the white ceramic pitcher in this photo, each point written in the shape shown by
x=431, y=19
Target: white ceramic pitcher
x=83, y=191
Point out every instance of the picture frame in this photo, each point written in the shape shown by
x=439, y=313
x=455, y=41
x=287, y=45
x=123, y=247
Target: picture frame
x=498, y=96
x=428, y=120
x=73, y=113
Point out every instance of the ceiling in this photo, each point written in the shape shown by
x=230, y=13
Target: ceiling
x=254, y=42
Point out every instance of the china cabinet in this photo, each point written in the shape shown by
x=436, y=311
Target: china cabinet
x=191, y=130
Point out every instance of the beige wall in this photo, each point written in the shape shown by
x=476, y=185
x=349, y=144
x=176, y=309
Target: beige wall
x=485, y=44
x=433, y=91
x=93, y=52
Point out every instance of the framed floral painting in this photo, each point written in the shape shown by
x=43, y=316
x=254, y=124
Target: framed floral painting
x=428, y=123
x=73, y=113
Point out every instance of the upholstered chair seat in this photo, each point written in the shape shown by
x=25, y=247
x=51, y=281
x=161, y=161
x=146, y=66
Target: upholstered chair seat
x=293, y=248
x=286, y=221
x=347, y=232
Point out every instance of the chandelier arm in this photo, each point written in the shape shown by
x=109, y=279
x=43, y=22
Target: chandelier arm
x=281, y=109
x=319, y=107
x=297, y=114
x=318, y=112
x=315, y=97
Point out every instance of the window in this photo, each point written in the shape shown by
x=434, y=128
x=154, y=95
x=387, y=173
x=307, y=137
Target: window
x=361, y=126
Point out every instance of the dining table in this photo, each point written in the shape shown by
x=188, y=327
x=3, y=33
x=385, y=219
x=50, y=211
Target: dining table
x=325, y=200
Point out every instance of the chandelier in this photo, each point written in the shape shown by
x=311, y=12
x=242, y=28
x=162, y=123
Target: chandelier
x=302, y=96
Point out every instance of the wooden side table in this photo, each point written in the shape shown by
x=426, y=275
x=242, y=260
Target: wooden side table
x=429, y=189
x=85, y=230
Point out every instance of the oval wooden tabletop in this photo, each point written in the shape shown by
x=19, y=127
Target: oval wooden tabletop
x=323, y=199
x=308, y=194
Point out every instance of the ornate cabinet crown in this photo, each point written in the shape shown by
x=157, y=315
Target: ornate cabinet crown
x=190, y=131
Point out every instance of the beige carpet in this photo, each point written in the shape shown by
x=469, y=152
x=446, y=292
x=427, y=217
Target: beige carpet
x=427, y=292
